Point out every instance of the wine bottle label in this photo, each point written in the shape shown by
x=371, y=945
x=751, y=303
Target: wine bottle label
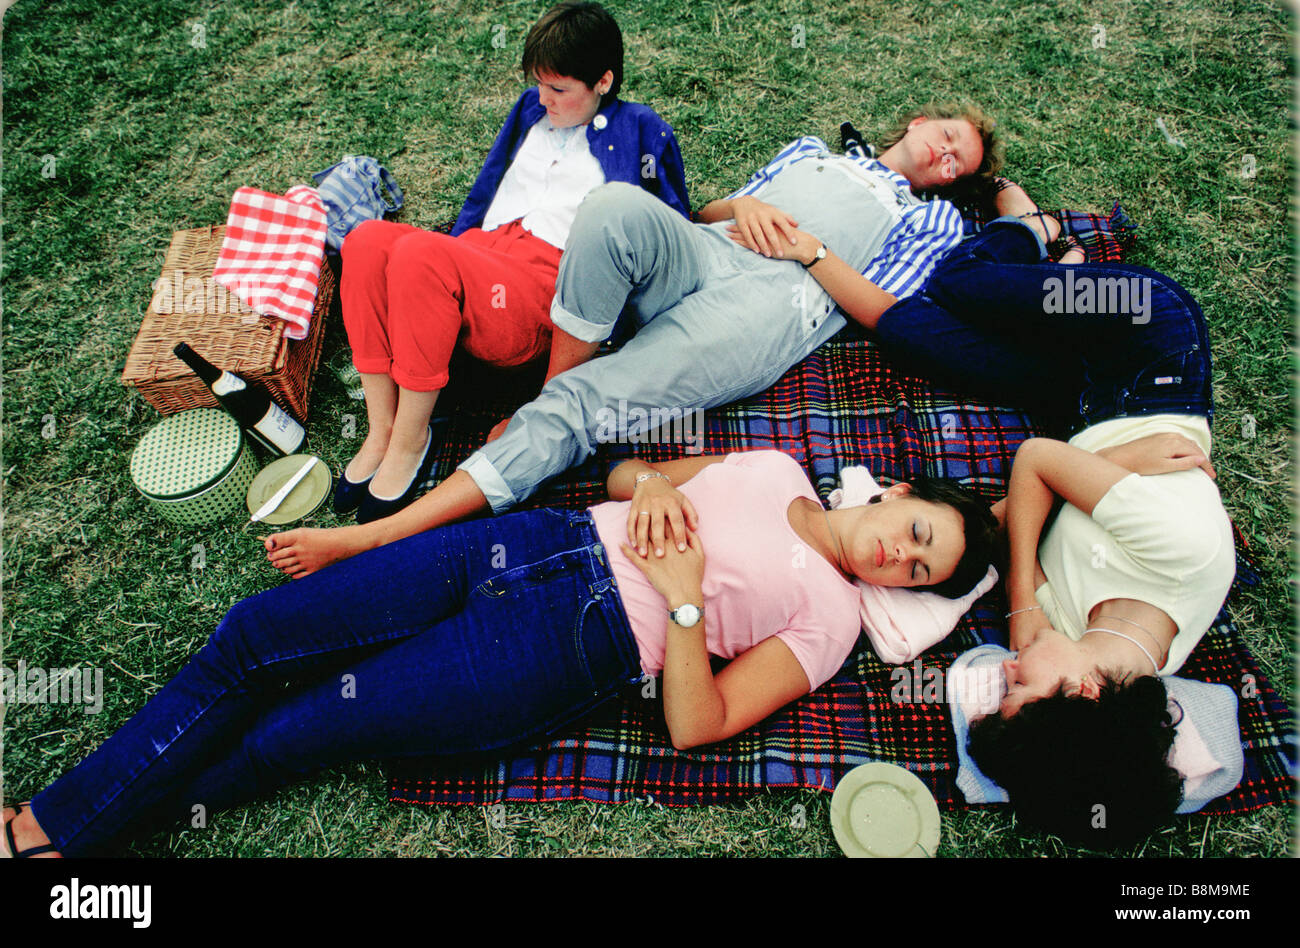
x=278, y=427
x=228, y=383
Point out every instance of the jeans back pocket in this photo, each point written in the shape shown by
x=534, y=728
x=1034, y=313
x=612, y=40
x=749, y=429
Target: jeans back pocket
x=1174, y=380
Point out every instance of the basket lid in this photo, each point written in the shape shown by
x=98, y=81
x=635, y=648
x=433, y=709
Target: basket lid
x=186, y=453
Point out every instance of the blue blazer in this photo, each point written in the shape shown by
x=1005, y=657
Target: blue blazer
x=631, y=136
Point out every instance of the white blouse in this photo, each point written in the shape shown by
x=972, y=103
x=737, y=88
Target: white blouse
x=550, y=175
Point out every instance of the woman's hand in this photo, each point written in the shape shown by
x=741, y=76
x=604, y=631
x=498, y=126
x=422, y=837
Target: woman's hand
x=1158, y=454
x=677, y=576
x=800, y=246
x=654, y=501
x=762, y=228
x=1025, y=627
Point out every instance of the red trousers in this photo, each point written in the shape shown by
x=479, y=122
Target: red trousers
x=410, y=295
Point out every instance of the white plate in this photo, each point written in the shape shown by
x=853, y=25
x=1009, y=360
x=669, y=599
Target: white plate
x=883, y=810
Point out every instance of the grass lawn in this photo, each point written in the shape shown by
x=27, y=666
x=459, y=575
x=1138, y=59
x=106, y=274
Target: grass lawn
x=123, y=122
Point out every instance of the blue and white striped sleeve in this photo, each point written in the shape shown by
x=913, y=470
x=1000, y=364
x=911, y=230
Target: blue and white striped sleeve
x=807, y=147
x=919, y=241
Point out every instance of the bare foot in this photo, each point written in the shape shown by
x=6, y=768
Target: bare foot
x=1074, y=253
x=27, y=833
x=499, y=429
x=296, y=553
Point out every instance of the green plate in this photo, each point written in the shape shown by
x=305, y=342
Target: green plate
x=883, y=810
x=304, y=499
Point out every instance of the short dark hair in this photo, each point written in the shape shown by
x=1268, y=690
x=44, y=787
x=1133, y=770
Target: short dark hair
x=576, y=39
x=1094, y=772
x=979, y=527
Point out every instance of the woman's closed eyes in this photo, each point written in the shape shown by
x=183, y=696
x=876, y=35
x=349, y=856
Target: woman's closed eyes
x=921, y=529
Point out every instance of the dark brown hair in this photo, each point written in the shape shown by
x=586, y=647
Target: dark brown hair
x=979, y=529
x=579, y=40
x=1094, y=772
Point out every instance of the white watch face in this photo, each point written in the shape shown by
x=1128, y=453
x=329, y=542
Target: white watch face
x=686, y=616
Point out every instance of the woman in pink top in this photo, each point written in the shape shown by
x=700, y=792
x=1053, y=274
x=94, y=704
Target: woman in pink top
x=489, y=634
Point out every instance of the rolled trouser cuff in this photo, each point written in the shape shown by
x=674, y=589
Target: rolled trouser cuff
x=1011, y=219
x=577, y=327
x=498, y=493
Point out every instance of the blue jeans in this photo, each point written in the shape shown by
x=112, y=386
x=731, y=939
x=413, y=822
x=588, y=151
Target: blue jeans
x=471, y=638
x=995, y=319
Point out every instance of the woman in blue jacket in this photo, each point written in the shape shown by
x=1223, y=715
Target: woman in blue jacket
x=410, y=295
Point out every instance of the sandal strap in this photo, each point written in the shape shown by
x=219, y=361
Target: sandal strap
x=1043, y=217
x=37, y=850
x=13, y=844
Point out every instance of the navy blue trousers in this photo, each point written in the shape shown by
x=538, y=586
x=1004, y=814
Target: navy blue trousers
x=1085, y=343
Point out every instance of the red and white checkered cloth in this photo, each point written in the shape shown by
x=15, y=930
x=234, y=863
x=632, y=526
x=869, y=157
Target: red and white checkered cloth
x=271, y=256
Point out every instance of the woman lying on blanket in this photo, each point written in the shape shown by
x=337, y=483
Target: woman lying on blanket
x=410, y=295
x=513, y=626
x=1118, y=588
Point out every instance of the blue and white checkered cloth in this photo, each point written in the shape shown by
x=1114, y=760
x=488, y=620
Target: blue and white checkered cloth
x=352, y=192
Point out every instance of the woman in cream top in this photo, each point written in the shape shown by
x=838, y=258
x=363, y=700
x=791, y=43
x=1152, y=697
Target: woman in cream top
x=1118, y=588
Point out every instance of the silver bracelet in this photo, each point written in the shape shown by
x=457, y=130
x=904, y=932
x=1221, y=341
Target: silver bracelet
x=1018, y=611
x=646, y=475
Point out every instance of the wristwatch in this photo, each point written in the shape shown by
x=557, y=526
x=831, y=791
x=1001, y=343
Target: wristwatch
x=817, y=257
x=686, y=615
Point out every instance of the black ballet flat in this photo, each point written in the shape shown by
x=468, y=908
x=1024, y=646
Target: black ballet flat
x=348, y=495
x=376, y=508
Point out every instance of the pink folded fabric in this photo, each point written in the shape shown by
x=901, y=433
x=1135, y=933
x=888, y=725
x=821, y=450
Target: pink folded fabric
x=271, y=256
x=1191, y=755
x=901, y=623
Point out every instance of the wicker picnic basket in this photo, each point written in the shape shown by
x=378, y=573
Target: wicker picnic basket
x=188, y=306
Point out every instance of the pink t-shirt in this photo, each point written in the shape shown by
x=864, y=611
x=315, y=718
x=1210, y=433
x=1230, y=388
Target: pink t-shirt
x=760, y=578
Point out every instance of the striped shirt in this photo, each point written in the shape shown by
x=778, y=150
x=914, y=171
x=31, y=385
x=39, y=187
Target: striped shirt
x=925, y=233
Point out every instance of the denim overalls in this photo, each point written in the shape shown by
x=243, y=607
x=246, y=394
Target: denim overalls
x=717, y=322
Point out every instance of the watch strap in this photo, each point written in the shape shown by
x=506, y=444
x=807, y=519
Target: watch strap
x=820, y=256
x=699, y=614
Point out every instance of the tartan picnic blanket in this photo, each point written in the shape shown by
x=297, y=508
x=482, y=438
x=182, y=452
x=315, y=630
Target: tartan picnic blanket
x=845, y=404
x=842, y=405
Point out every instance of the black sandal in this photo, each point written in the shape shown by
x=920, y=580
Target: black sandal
x=13, y=846
x=1043, y=217
x=1067, y=243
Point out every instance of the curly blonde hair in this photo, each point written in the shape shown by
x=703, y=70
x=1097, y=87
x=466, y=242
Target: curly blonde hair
x=982, y=178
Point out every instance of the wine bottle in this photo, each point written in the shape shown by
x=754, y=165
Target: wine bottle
x=250, y=404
